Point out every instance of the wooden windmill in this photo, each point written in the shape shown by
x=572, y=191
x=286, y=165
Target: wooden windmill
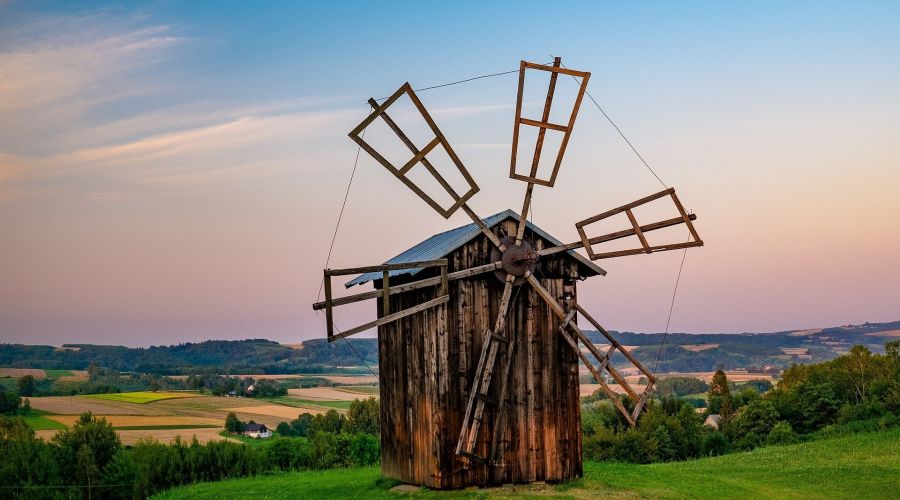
x=479, y=375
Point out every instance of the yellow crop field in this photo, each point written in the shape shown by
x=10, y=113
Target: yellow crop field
x=141, y=397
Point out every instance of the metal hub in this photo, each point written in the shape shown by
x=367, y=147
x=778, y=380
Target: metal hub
x=517, y=260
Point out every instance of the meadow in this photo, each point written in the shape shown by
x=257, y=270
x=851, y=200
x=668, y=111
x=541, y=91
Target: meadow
x=859, y=466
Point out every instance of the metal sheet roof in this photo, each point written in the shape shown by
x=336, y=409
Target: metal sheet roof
x=441, y=245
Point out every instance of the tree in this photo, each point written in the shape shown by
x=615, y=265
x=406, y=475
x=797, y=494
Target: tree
x=284, y=429
x=720, y=396
x=86, y=470
x=754, y=423
x=93, y=372
x=233, y=424
x=364, y=416
x=331, y=421
x=302, y=424
x=9, y=403
x=89, y=431
x=26, y=386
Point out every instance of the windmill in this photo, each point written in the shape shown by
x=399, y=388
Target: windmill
x=450, y=333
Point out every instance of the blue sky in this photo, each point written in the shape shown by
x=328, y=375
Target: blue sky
x=175, y=169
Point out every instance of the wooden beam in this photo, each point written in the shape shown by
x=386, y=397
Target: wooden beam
x=329, y=313
x=637, y=251
x=543, y=124
x=637, y=229
x=420, y=156
x=386, y=267
x=616, y=343
x=633, y=204
x=611, y=394
x=392, y=317
x=443, y=182
x=556, y=69
x=465, y=273
x=515, y=139
x=355, y=134
x=386, y=294
x=614, y=236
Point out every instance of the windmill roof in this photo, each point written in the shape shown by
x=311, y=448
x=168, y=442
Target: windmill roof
x=442, y=244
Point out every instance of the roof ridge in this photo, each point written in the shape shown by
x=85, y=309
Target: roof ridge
x=441, y=244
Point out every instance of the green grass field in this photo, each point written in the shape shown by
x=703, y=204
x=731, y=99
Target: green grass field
x=140, y=397
x=58, y=373
x=308, y=403
x=860, y=466
x=41, y=423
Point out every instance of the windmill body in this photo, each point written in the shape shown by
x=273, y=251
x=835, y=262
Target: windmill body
x=427, y=361
x=479, y=339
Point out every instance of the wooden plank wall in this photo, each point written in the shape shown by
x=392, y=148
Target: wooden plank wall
x=427, y=362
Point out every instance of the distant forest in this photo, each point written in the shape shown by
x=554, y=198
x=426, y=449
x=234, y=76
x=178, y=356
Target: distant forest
x=681, y=352
x=254, y=356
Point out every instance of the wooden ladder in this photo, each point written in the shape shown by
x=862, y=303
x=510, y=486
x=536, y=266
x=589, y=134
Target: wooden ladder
x=479, y=393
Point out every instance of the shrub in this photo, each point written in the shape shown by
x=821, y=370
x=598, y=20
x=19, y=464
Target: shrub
x=715, y=443
x=782, y=433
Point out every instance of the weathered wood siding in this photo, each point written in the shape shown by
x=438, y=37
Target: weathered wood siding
x=427, y=363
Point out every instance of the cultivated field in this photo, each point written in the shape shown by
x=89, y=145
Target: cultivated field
x=698, y=347
x=328, y=393
x=164, y=415
x=733, y=376
x=141, y=397
x=887, y=333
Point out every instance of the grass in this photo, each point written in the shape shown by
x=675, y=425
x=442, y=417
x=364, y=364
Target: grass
x=308, y=403
x=140, y=397
x=42, y=423
x=58, y=373
x=859, y=466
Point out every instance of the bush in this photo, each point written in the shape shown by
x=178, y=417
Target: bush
x=782, y=433
x=364, y=416
x=752, y=424
x=365, y=449
x=715, y=443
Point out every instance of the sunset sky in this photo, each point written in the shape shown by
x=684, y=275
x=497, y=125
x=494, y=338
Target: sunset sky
x=173, y=171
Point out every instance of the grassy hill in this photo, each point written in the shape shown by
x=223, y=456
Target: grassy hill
x=860, y=466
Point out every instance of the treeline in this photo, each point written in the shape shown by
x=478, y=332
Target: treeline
x=108, y=380
x=89, y=461
x=855, y=392
x=254, y=356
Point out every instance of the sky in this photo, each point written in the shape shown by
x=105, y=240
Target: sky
x=174, y=171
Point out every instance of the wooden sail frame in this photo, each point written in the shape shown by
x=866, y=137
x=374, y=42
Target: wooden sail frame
x=442, y=298
x=638, y=230
x=543, y=125
x=419, y=156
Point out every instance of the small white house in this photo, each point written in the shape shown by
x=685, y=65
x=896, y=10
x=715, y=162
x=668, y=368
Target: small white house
x=257, y=431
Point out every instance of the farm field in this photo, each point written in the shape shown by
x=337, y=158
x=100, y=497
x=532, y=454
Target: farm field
x=141, y=397
x=165, y=415
x=328, y=393
x=860, y=466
